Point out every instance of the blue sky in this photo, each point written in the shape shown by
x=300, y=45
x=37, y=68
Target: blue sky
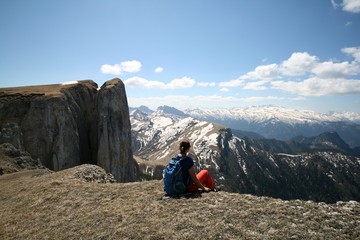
x=190, y=53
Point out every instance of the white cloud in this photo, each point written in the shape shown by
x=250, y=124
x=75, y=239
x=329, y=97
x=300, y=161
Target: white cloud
x=206, y=84
x=319, y=87
x=305, y=75
x=334, y=4
x=232, y=83
x=224, y=90
x=131, y=66
x=258, y=85
x=336, y=70
x=298, y=64
x=351, y=6
x=262, y=72
x=353, y=51
x=259, y=99
x=144, y=83
x=117, y=69
x=330, y=69
x=182, y=101
x=111, y=69
x=158, y=70
x=184, y=82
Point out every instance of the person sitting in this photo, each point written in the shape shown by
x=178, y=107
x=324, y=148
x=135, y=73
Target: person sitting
x=193, y=181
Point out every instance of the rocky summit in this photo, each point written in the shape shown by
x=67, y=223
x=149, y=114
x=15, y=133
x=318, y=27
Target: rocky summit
x=66, y=125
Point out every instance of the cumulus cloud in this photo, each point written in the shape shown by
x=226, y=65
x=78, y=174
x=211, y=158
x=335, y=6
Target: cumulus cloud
x=206, y=84
x=352, y=6
x=184, y=82
x=158, y=70
x=353, y=51
x=262, y=72
x=144, y=83
x=117, y=69
x=259, y=99
x=111, y=69
x=330, y=69
x=319, y=87
x=298, y=64
x=183, y=101
x=232, y=83
x=258, y=85
x=224, y=90
x=305, y=75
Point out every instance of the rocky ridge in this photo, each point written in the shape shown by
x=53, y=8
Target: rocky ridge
x=66, y=125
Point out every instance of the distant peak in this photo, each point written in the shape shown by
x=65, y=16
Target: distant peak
x=172, y=111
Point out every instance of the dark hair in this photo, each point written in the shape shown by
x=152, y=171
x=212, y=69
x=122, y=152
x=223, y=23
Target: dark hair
x=184, y=146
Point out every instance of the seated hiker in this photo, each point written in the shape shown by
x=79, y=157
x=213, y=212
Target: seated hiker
x=191, y=180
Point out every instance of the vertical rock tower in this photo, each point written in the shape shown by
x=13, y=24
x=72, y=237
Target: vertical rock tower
x=72, y=124
x=114, y=152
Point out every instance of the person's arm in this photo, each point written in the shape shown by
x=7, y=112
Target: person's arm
x=196, y=181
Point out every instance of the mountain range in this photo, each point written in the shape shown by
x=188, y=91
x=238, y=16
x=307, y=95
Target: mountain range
x=284, y=123
x=321, y=168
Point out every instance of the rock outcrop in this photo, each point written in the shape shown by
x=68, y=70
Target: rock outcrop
x=63, y=125
x=114, y=152
x=13, y=160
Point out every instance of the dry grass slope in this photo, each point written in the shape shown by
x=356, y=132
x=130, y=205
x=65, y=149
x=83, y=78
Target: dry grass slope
x=38, y=204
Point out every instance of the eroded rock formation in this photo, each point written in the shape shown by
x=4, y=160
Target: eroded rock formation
x=64, y=125
x=114, y=152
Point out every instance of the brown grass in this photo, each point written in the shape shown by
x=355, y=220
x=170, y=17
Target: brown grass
x=38, y=204
x=48, y=90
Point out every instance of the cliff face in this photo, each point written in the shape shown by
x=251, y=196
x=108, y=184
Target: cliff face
x=114, y=149
x=61, y=125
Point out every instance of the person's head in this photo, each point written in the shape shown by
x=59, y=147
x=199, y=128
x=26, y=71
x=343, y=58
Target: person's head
x=184, y=147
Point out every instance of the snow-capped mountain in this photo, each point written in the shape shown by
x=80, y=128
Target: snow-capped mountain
x=275, y=113
x=321, y=168
x=283, y=123
x=156, y=137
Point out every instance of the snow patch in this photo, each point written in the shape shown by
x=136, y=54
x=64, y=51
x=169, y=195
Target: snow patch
x=288, y=155
x=70, y=83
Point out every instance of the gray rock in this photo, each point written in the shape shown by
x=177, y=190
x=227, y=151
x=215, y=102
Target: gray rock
x=92, y=173
x=64, y=125
x=114, y=132
x=13, y=160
